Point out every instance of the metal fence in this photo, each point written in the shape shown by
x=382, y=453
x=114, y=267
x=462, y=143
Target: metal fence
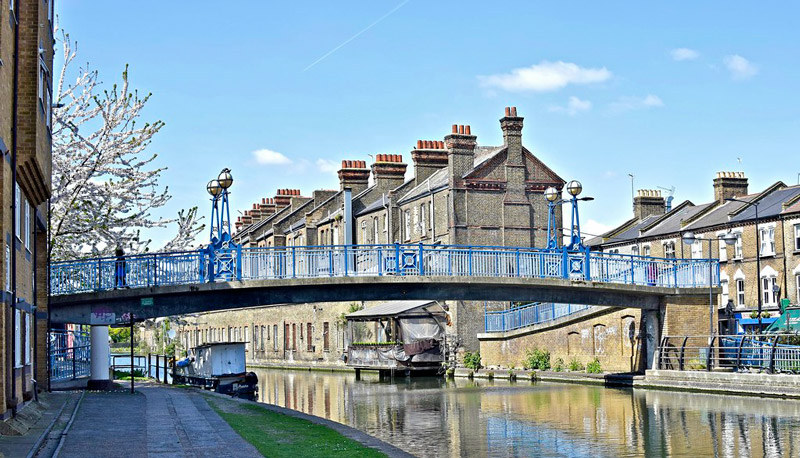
x=772, y=353
x=527, y=315
x=154, y=366
x=69, y=354
x=100, y=274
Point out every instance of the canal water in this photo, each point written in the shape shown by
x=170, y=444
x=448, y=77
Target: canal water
x=433, y=417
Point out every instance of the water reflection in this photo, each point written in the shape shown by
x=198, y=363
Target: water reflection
x=431, y=417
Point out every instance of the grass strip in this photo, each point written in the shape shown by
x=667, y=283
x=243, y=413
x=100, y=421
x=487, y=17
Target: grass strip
x=277, y=435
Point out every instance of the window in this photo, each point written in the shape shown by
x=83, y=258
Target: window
x=669, y=250
x=28, y=225
x=767, y=238
x=49, y=6
x=740, y=292
x=27, y=339
x=294, y=336
x=309, y=340
x=737, y=247
x=17, y=339
x=646, y=250
x=723, y=251
x=364, y=231
x=375, y=230
x=406, y=225
x=275, y=337
x=423, y=228
x=325, y=339
x=386, y=225
x=768, y=291
x=635, y=250
x=8, y=268
x=430, y=211
x=724, y=299
x=697, y=249
x=18, y=211
x=797, y=287
x=797, y=237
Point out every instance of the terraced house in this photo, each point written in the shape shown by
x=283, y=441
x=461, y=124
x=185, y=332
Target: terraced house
x=460, y=193
x=26, y=62
x=764, y=261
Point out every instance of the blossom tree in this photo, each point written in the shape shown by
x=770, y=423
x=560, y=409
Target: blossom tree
x=105, y=182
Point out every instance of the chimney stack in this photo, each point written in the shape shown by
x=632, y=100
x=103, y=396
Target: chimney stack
x=284, y=197
x=388, y=171
x=729, y=184
x=511, y=124
x=648, y=202
x=460, y=146
x=354, y=175
x=429, y=156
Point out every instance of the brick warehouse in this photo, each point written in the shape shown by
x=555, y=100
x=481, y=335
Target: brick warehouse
x=26, y=55
x=461, y=193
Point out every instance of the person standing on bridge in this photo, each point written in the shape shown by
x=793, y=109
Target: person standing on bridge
x=120, y=268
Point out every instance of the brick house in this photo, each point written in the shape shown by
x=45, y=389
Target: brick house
x=26, y=62
x=461, y=193
x=656, y=232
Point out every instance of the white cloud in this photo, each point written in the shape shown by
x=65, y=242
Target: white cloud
x=629, y=103
x=680, y=54
x=327, y=165
x=269, y=157
x=739, y=67
x=545, y=76
x=574, y=106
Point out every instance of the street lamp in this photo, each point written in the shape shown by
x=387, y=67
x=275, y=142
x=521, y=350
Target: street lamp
x=690, y=238
x=214, y=188
x=758, y=254
x=553, y=197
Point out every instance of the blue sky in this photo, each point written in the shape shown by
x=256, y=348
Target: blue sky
x=669, y=92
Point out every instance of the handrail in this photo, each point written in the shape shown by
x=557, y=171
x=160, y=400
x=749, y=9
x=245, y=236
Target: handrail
x=192, y=267
x=762, y=353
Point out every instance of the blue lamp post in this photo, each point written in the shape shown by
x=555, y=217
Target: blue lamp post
x=221, y=247
x=574, y=188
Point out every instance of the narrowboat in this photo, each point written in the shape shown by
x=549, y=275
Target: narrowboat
x=219, y=367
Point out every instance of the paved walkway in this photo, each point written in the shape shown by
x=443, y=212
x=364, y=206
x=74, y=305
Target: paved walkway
x=154, y=422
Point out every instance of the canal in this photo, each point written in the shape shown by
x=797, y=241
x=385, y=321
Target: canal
x=433, y=417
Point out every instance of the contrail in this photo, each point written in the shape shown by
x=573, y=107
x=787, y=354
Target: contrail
x=359, y=33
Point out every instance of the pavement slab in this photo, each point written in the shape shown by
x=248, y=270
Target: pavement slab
x=157, y=421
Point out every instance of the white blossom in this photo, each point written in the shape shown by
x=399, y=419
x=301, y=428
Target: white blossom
x=105, y=181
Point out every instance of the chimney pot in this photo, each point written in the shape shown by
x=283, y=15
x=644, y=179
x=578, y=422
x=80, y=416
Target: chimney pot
x=514, y=111
x=419, y=144
x=467, y=130
x=455, y=128
x=508, y=111
x=461, y=129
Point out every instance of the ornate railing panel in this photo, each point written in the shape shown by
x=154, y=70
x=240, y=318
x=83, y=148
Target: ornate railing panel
x=101, y=274
x=68, y=352
x=528, y=315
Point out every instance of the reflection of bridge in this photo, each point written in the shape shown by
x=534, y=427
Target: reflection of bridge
x=86, y=291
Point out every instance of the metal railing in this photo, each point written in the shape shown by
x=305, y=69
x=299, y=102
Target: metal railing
x=528, y=315
x=101, y=274
x=771, y=353
x=69, y=354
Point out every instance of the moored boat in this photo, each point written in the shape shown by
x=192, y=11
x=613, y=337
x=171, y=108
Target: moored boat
x=219, y=367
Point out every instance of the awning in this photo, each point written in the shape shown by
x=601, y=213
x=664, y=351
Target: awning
x=397, y=309
x=788, y=322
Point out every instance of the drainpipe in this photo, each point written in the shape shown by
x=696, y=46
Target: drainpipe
x=432, y=216
x=47, y=279
x=35, y=312
x=13, y=248
x=388, y=208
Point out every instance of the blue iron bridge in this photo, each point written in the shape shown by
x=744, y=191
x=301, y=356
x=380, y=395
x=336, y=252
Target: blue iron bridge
x=103, y=290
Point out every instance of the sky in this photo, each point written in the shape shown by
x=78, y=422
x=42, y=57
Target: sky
x=281, y=92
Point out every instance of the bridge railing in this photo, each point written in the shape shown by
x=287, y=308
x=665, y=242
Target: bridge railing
x=69, y=354
x=156, y=269
x=528, y=315
x=762, y=352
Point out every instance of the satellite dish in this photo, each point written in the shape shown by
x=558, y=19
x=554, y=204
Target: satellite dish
x=171, y=333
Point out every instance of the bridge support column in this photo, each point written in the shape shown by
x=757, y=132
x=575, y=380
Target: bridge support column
x=100, y=351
